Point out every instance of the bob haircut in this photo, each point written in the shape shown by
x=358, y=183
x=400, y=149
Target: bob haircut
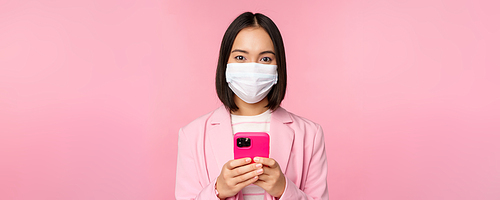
x=248, y=19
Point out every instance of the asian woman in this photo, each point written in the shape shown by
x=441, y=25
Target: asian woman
x=251, y=83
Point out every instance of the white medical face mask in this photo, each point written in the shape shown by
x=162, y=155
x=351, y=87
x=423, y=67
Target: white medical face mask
x=251, y=82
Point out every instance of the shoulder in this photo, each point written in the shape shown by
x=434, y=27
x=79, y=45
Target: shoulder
x=200, y=123
x=299, y=120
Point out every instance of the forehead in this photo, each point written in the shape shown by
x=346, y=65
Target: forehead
x=253, y=39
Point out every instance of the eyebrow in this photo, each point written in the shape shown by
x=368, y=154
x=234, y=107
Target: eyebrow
x=243, y=51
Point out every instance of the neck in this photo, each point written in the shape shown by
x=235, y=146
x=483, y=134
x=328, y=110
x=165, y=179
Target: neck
x=247, y=109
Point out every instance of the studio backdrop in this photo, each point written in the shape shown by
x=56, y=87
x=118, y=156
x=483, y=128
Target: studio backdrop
x=93, y=93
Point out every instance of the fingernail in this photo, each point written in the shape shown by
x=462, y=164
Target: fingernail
x=260, y=171
x=256, y=159
x=258, y=165
x=248, y=160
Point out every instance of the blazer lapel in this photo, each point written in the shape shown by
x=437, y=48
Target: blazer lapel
x=220, y=136
x=282, y=137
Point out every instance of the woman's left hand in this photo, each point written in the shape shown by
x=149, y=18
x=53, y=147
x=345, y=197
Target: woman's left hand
x=272, y=179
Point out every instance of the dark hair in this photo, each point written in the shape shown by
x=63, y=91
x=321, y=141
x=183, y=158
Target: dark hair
x=248, y=19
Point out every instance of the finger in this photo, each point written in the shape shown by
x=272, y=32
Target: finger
x=267, y=174
x=260, y=183
x=237, y=163
x=245, y=169
x=266, y=161
x=247, y=182
x=250, y=175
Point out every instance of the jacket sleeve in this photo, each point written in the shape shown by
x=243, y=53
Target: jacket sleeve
x=315, y=186
x=188, y=182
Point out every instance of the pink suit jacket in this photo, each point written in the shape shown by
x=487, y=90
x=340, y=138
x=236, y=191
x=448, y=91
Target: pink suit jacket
x=206, y=144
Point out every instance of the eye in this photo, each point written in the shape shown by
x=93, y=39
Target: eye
x=266, y=59
x=239, y=58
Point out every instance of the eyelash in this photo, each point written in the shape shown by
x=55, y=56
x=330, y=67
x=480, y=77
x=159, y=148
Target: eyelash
x=237, y=58
x=268, y=60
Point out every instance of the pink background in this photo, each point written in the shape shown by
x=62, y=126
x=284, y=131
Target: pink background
x=92, y=93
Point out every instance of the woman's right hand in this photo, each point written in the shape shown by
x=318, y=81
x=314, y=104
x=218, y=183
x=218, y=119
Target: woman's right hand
x=235, y=175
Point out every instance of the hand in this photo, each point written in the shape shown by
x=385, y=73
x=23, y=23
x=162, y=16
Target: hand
x=272, y=180
x=235, y=175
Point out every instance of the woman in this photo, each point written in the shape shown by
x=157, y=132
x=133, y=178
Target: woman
x=251, y=83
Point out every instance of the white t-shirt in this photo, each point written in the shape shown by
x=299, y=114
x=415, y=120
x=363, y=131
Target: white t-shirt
x=256, y=123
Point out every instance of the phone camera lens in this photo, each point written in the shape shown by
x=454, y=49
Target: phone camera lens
x=243, y=142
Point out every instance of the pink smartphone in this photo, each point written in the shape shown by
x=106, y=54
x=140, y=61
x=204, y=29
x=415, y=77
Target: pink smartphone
x=251, y=144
